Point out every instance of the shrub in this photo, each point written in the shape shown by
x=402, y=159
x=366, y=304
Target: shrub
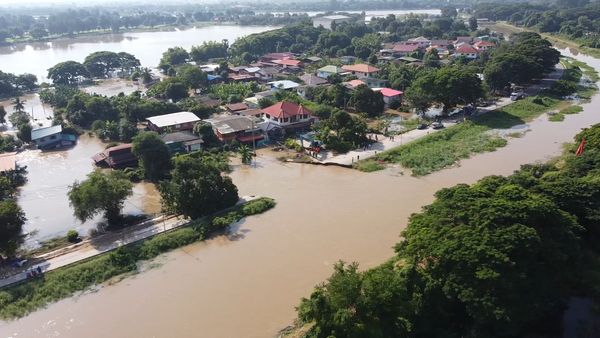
x=369, y=166
x=258, y=206
x=72, y=236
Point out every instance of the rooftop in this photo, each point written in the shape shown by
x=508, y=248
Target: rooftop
x=330, y=69
x=173, y=119
x=231, y=124
x=355, y=83
x=39, y=133
x=388, y=92
x=284, y=109
x=283, y=84
x=288, y=62
x=180, y=136
x=236, y=106
x=405, y=48
x=312, y=80
x=360, y=67
x=466, y=49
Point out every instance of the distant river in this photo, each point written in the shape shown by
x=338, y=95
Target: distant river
x=371, y=14
x=37, y=57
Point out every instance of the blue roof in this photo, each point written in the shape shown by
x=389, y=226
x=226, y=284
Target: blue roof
x=39, y=133
x=212, y=77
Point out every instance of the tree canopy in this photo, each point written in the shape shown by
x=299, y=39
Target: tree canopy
x=68, y=73
x=100, y=192
x=153, y=155
x=197, y=187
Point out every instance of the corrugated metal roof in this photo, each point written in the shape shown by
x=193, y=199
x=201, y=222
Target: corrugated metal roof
x=173, y=119
x=39, y=133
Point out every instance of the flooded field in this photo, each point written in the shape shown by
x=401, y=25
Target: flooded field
x=247, y=284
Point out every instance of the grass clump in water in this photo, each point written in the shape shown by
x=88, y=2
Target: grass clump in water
x=369, y=165
x=444, y=148
x=571, y=110
x=19, y=300
x=556, y=117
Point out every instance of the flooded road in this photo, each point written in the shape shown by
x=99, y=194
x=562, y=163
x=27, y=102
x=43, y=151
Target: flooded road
x=247, y=284
x=36, y=58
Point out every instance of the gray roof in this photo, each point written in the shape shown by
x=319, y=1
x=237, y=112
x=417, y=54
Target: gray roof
x=39, y=133
x=180, y=136
x=231, y=124
x=283, y=84
x=312, y=80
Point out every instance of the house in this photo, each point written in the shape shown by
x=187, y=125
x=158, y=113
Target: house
x=8, y=162
x=329, y=20
x=441, y=43
x=238, y=128
x=209, y=102
x=312, y=80
x=441, y=50
x=464, y=39
x=270, y=57
x=288, y=63
x=253, y=112
x=51, y=138
x=116, y=157
x=288, y=115
x=266, y=73
x=175, y=122
x=210, y=69
x=404, y=49
x=283, y=84
x=390, y=96
x=361, y=70
x=354, y=83
x=232, y=77
x=466, y=51
x=251, y=102
x=325, y=72
x=484, y=45
x=408, y=60
x=182, y=142
x=421, y=41
x=214, y=79
x=372, y=82
x=348, y=59
x=234, y=107
x=312, y=59
x=265, y=94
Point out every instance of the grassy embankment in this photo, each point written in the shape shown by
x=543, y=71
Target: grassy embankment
x=17, y=301
x=447, y=147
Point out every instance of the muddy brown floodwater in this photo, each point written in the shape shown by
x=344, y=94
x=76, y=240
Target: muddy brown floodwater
x=248, y=283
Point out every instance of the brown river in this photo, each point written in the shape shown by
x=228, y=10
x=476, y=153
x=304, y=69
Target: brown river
x=247, y=284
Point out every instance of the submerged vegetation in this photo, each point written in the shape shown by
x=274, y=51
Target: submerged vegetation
x=19, y=300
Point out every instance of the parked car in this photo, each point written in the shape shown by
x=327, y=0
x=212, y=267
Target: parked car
x=437, y=125
x=514, y=96
x=422, y=126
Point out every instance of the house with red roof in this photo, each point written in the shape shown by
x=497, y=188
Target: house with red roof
x=288, y=115
x=466, y=51
x=288, y=63
x=484, y=45
x=390, y=96
x=403, y=49
x=361, y=70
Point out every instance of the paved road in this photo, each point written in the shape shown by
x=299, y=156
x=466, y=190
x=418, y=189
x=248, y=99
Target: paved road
x=385, y=143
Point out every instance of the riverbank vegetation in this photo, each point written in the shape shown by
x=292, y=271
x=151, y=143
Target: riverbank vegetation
x=501, y=257
x=19, y=300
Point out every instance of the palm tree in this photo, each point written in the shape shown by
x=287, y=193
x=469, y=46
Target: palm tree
x=18, y=104
x=245, y=153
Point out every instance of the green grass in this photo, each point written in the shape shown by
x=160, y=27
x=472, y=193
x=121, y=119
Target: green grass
x=49, y=245
x=556, y=117
x=571, y=110
x=444, y=148
x=518, y=112
x=368, y=166
x=19, y=300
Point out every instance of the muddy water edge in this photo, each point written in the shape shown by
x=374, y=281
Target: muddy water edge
x=247, y=284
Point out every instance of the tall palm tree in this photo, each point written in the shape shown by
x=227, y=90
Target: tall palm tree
x=245, y=153
x=18, y=104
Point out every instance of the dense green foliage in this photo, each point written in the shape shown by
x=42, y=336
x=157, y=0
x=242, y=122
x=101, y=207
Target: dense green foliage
x=367, y=101
x=100, y=64
x=499, y=258
x=209, y=50
x=196, y=187
x=13, y=85
x=68, y=73
x=342, y=132
x=100, y=192
x=153, y=155
x=12, y=219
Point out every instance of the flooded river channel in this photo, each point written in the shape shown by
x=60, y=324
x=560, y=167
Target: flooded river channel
x=247, y=284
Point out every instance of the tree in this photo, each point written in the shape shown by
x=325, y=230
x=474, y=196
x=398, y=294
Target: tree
x=431, y=58
x=100, y=64
x=245, y=154
x=18, y=105
x=2, y=115
x=12, y=219
x=197, y=188
x=68, y=73
x=368, y=101
x=192, y=76
x=209, y=50
x=171, y=88
x=342, y=132
x=153, y=155
x=100, y=192
x=172, y=57
x=449, y=11
x=205, y=130
x=24, y=132
x=473, y=23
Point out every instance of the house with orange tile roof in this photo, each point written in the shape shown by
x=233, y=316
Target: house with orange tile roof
x=361, y=70
x=288, y=115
